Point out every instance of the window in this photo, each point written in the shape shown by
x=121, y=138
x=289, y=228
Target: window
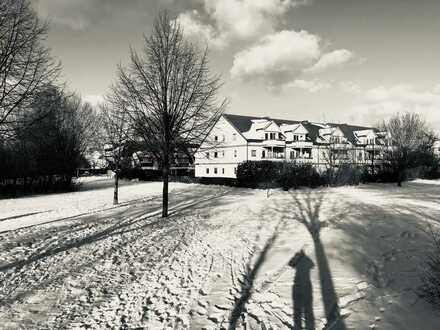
x=280, y=136
x=235, y=153
x=223, y=138
x=254, y=153
x=263, y=154
x=207, y=155
x=235, y=170
x=360, y=155
x=216, y=138
x=295, y=138
x=272, y=136
x=215, y=154
x=266, y=136
x=215, y=170
x=234, y=136
x=292, y=154
x=207, y=170
x=222, y=154
x=223, y=170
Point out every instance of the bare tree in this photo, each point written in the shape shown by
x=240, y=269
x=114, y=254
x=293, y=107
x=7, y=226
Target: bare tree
x=115, y=125
x=171, y=96
x=408, y=133
x=25, y=63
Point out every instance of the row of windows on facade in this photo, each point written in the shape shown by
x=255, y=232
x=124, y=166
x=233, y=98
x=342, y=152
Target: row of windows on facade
x=267, y=136
x=271, y=154
x=223, y=138
x=223, y=170
x=219, y=154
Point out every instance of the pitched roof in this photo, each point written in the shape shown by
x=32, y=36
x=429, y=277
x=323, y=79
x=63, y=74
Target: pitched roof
x=244, y=123
x=349, y=130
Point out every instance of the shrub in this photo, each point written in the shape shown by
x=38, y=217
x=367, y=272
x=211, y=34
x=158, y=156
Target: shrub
x=345, y=174
x=430, y=288
x=252, y=174
x=286, y=175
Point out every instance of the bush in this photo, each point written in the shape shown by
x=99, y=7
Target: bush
x=431, y=169
x=344, y=175
x=268, y=174
x=430, y=288
x=293, y=175
x=253, y=174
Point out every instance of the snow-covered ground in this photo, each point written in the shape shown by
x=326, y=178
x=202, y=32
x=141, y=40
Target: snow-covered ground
x=222, y=259
x=94, y=194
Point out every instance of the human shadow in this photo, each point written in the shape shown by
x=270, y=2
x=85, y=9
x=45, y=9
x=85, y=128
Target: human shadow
x=302, y=295
x=307, y=211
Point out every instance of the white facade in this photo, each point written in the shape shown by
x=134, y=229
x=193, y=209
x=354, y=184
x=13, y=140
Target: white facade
x=221, y=152
x=436, y=148
x=236, y=139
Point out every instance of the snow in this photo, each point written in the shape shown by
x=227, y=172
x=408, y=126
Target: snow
x=222, y=251
x=95, y=194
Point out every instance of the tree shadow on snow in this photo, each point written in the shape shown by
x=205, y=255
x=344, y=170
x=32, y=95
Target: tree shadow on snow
x=307, y=208
x=249, y=277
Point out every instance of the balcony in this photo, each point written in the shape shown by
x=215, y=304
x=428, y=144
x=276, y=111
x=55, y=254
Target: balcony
x=274, y=143
x=371, y=147
x=338, y=145
x=301, y=144
x=274, y=156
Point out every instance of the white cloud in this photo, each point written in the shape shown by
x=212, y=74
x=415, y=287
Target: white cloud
x=196, y=30
x=278, y=57
x=236, y=19
x=312, y=86
x=333, y=59
x=378, y=103
x=350, y=87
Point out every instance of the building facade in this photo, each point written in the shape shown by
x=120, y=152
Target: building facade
x=236, y=139
x=436, y=148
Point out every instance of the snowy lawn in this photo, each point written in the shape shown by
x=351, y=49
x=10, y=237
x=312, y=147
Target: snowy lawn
x=94, y=194
x=222, y=259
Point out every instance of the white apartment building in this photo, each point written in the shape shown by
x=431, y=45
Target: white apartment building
x=236, y=139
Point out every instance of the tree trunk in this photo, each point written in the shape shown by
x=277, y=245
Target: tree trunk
x=165, y=178
x=115, y=193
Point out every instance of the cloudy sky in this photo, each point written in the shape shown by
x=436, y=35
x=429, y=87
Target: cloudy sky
x=354, y=61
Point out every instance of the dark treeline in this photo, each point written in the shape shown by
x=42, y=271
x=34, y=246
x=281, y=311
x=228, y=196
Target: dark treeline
x=45, y=149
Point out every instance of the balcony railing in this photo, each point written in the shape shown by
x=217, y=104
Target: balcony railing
x=301, y=144
x=274, y=156
x=274, y=143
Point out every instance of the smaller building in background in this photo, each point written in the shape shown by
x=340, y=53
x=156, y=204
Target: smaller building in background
x=436, y=148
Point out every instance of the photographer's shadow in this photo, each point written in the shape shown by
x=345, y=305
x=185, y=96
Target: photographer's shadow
x=302, y=292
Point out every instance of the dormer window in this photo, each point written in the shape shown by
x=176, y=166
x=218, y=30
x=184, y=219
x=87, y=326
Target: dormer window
x=266, y=136
x=295, y=138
